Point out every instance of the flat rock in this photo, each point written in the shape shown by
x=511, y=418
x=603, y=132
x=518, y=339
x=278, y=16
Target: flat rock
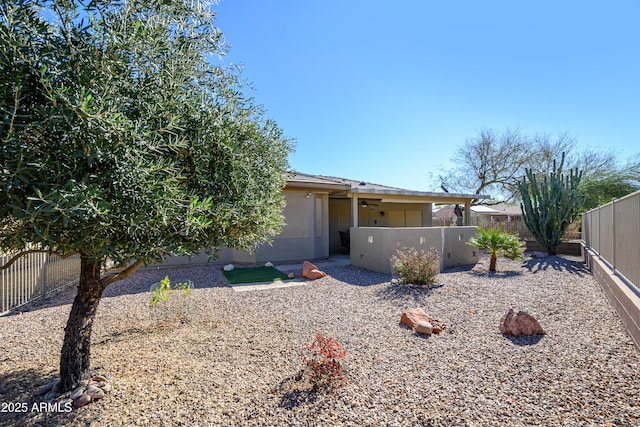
x=94, y=392
x=81, y=400
x=77, y=392
x=414, y=315
x=52, y=395
x=46, y=388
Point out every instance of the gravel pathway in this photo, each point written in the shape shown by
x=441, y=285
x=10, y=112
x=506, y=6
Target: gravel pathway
x=236, y=363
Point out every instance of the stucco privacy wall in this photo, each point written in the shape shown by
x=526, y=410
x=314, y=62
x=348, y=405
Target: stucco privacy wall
x=376, y=214
x=305, y=235
x=373, y=247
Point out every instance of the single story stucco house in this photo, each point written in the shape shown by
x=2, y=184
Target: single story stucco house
x=318, y=208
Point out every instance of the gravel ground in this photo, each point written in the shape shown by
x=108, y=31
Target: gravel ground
x=236, y=363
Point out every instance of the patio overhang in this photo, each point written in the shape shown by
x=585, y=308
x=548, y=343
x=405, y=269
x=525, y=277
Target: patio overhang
x=392, y=195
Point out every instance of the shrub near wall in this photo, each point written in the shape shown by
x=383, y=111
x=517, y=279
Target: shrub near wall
x=416, y=266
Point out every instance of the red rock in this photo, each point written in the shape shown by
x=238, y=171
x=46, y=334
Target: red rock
x=310, y=271
x=412, y=316
x=519, y=324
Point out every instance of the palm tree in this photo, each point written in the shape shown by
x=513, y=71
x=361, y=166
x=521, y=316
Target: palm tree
x=497, y=242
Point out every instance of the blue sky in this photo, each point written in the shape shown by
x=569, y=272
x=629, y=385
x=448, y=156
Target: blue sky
x=386, y=91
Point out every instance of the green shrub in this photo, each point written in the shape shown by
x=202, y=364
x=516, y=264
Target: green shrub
x=169, y=303
x=416, y=266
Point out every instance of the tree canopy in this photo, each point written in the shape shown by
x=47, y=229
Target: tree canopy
x=125, y=138
x=493, y=161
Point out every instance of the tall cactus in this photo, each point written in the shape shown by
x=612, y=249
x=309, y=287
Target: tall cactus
x=550, y=206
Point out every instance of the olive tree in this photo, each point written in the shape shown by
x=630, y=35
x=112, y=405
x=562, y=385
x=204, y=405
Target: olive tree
x=125, y=139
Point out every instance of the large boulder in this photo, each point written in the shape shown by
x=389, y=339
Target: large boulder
x=310, y=271
x=413, y=316
x=519, y=324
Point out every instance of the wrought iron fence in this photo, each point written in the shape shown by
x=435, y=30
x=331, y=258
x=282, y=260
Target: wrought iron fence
x=33, y=276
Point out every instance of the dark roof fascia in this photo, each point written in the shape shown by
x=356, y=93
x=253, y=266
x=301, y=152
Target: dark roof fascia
x=445, y=197
x=354, y=188
x=304, y=181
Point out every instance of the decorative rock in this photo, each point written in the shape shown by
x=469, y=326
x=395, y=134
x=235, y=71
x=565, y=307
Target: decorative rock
x=519, y=324
x=65, y=403
x=424, y=327
x=536, y=254
x=311, y=272
x=268, y=264
x=414, y=315
x=77, y=392
x=228, y=267
x=99, y=378
x=291, y=275
x=81, y=400
x=395, y=281
x=106, y=387
x=51, y=395
x=47, y=388
x=94, y=392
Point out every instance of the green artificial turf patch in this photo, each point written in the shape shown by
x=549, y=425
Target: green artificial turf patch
x=254, y=275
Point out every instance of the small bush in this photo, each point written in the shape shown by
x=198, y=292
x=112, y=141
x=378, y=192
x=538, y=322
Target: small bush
x=497, y=242
x=416, y=266
x=169, y=303
x=321, y=358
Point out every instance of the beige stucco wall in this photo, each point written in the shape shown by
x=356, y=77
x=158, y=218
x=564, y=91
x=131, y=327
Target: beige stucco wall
x=304, y=237
x=373, y=247
x=380, y=215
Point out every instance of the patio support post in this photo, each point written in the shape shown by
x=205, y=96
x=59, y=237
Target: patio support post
x=354, y=211
x=467, y=212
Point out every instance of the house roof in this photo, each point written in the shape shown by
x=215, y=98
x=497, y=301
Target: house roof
x=350, y=188
x=444, y=212
x=497, y=209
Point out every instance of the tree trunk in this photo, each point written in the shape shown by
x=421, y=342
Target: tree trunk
x=492, y=262
x=74, y=358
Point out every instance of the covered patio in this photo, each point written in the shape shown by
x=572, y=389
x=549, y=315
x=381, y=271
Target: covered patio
x=377, y=219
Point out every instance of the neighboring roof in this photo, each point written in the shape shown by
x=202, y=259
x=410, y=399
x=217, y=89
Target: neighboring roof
x=482, y=209
x=444, y=212
x=497, y=209
x=362, y=188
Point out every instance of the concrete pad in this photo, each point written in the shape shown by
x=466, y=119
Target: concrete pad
x=267, y=286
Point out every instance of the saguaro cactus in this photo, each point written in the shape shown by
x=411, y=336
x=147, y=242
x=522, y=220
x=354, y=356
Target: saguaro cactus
x=550, y=206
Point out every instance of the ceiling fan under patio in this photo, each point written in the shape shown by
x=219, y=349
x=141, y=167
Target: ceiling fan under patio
x=364, y=203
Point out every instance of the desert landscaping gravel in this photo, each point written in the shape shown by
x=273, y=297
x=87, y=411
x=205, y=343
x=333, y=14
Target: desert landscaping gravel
x=236, y=364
